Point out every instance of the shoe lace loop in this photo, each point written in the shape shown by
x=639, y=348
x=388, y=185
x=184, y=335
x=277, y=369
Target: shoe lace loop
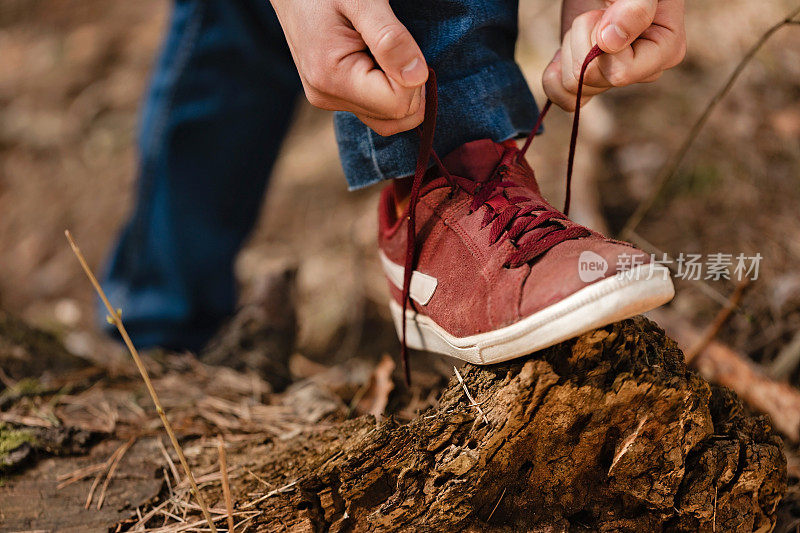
x=534, y=228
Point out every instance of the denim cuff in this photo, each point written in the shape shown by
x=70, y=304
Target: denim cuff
x=493, y=103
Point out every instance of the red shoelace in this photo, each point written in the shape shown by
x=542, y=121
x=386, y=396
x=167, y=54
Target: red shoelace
x=533, y=227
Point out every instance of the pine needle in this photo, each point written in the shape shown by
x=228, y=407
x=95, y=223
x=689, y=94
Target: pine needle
x=112, y=469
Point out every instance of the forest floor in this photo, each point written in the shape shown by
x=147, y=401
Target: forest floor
x=73, y=75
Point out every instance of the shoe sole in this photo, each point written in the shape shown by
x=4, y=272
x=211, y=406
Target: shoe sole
x=610, y=300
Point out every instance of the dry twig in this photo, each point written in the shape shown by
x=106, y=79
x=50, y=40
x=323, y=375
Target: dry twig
x=671, y=166
x=713, y=330
x=226, y=487
x=116, y=318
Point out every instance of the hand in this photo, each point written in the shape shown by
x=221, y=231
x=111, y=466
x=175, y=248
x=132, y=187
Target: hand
x=333, y=43
x=641, y=38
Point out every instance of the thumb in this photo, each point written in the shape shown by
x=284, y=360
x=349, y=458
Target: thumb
x=623, y=22
x=388, y=40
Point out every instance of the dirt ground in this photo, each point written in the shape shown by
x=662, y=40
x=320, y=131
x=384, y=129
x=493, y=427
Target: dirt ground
x=72, y=73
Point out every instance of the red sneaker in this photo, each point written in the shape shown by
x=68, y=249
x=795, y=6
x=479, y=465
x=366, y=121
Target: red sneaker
x=501, y=273
x=496, y=271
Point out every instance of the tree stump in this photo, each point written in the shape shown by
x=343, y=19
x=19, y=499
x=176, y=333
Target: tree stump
x=609, y=432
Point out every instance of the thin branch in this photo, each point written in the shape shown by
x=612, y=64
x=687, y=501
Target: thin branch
x=116, y=319
x=719, y=321
x=671, y=166
x=226, y=486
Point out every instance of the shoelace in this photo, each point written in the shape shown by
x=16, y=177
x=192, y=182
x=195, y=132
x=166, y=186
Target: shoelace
x=534, y=228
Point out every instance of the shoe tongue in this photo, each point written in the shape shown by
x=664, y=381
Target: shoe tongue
x=477, y=160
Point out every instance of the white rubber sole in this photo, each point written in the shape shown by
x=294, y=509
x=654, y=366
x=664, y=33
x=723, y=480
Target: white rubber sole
x=622, y=296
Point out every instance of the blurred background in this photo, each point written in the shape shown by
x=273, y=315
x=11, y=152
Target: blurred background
x=72, y=74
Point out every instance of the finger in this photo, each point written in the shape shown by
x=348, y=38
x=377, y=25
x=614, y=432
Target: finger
x=555, y=90
x=564, y=57
x=669, y=27
x=581, y=42
x=388, y=40
x=373, y=107
x=670, y=15
x=416, y=106
x=357, y=86
x=623, y=22
x=392, y=127
x=644, y=59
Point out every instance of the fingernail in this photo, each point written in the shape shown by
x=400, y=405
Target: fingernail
x=614, y=38
x=414, y=73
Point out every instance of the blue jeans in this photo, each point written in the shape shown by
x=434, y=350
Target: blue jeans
x=217, y=109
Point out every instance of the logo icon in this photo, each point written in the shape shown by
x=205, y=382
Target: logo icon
x=591, y=266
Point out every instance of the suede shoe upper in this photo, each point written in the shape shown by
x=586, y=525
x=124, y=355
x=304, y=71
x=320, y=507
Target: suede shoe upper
x=493, y=249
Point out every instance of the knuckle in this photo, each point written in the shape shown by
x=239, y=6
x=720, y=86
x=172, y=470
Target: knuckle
x=415, y=122
x=619, y=77
x=315, y=76
x=317, y=71
x=576, y=73
x=570, y=84
x=584, y=20
x=638, y=15
x=316, y=99
x=567, y=104
x=390, y=37
x=680, y=54
x=401, y=107
x=413, y=106
x=551, y=76
x=675, y=55
x=398, y=111
x=385, y=130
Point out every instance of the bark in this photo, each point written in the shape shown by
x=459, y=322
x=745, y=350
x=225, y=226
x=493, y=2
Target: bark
x=610, y=432
x=36, y=501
